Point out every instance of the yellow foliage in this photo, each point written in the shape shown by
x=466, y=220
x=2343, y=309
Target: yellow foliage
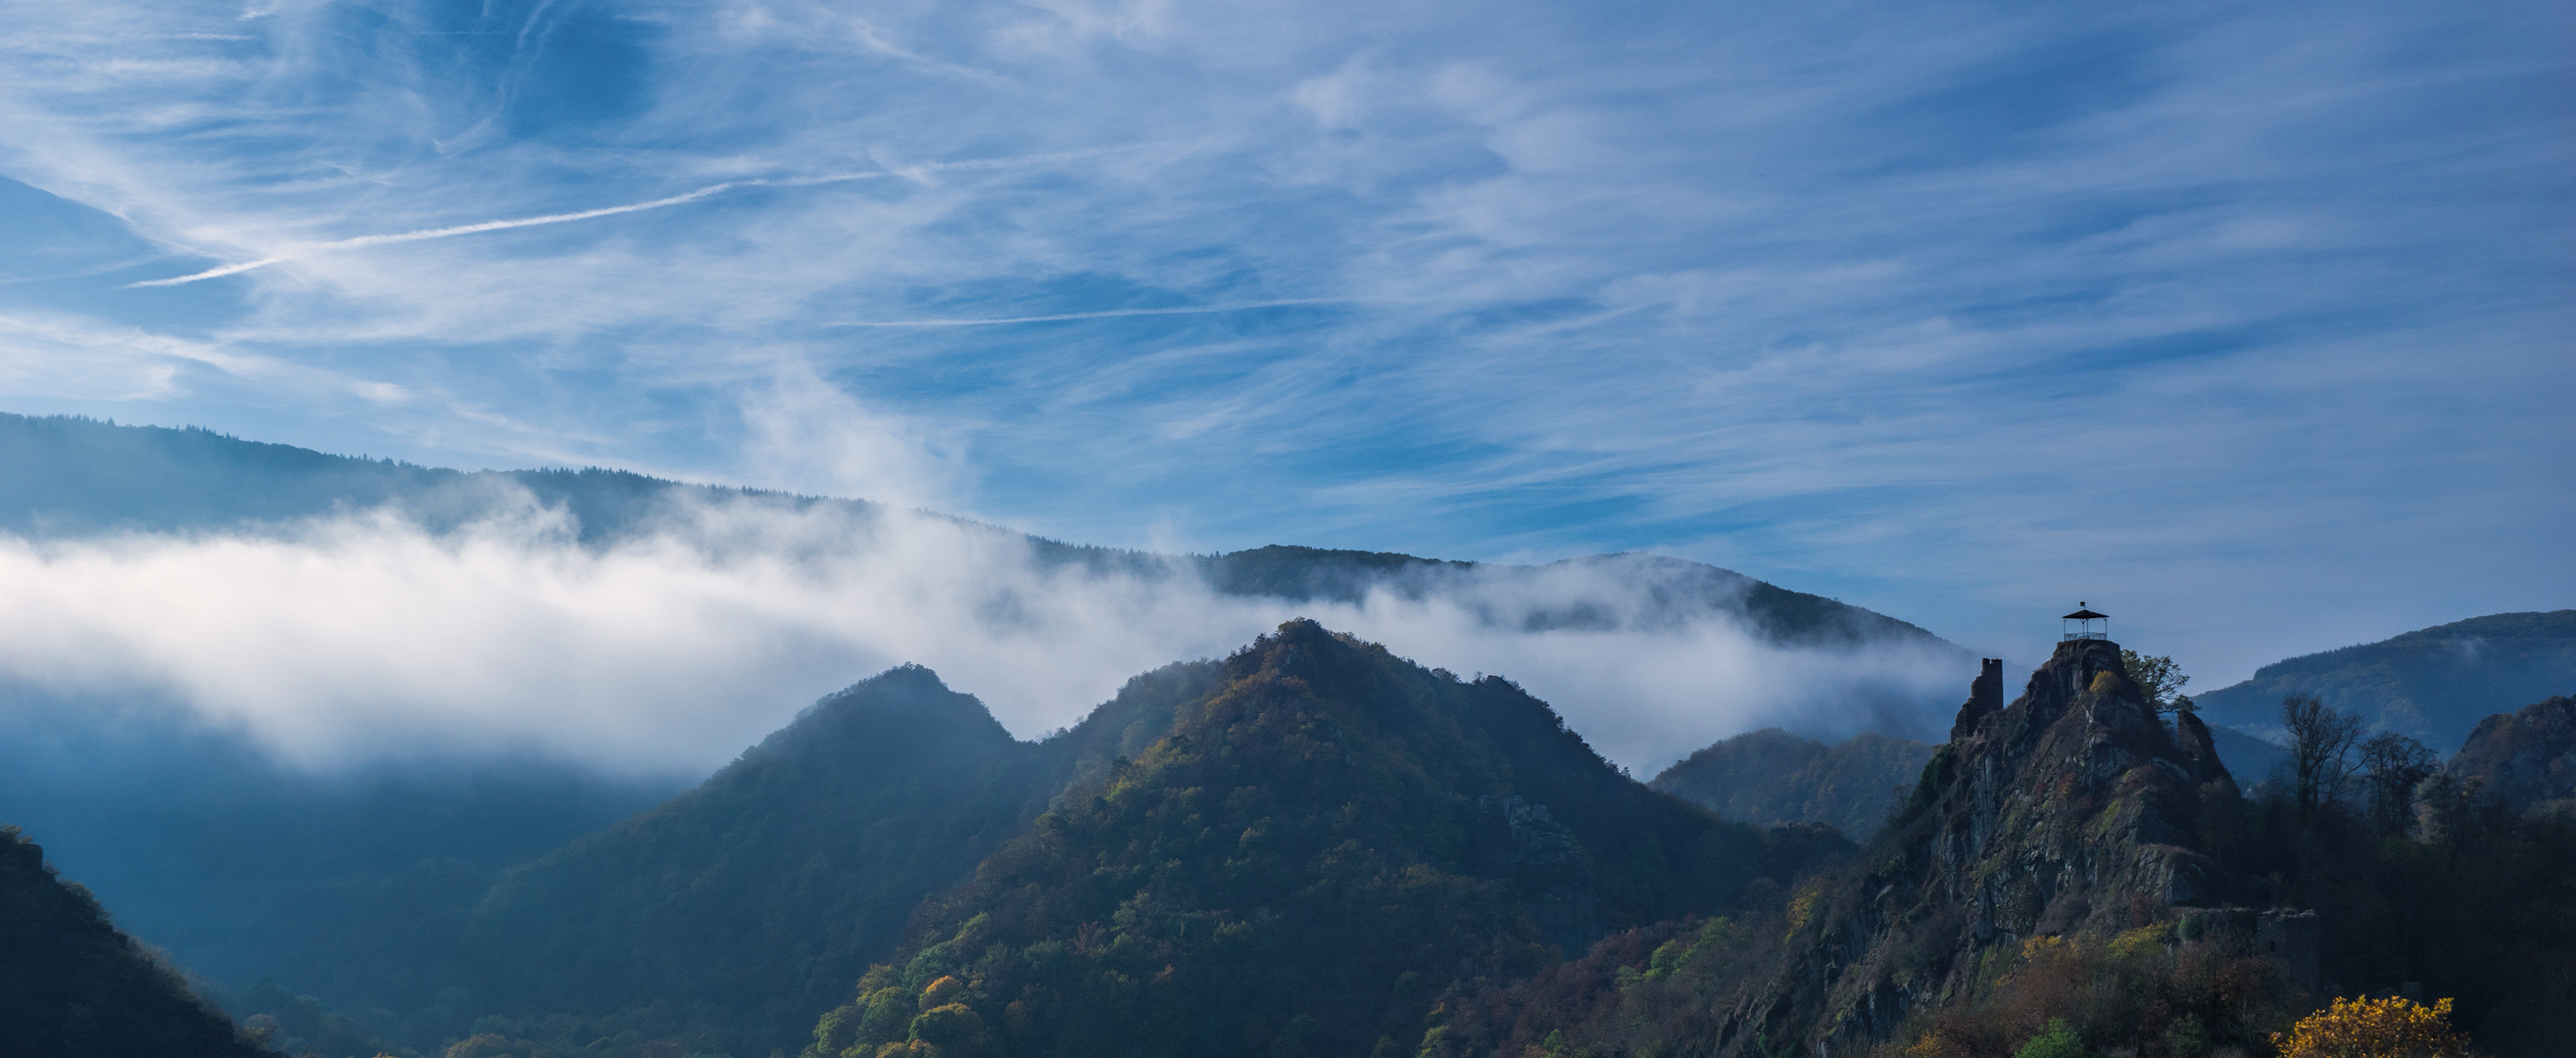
x=941, y=992
x=2394, y=1027
x=2039, y=946
x=2140, y=939
x=1804, y=904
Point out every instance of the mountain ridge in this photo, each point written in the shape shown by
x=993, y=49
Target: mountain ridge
x=1771, y=777
x=1299, y=863
x=67, y=476
x=73, y=986
x=2434, y=684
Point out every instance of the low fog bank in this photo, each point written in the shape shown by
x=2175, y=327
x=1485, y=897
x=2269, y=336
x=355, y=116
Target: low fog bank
x=363, y=636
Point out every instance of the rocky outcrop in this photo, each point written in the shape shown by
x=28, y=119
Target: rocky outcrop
x=1985, y=698
x=2525, y=758
x=2070, y=809
x=2199, y=746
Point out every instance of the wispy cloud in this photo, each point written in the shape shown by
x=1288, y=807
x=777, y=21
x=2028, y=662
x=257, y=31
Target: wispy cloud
x=1946, y=310
x=1105, y=314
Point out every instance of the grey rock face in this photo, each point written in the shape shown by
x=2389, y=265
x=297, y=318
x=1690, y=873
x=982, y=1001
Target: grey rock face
x=2072, y=808
x=2524, y=758
x=1985, y=698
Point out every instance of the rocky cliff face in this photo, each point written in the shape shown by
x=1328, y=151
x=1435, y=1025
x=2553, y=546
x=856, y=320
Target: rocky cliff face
x=2071, y=808
x=2525, y=758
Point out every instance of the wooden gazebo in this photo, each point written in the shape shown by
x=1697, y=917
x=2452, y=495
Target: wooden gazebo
x=2085, y=624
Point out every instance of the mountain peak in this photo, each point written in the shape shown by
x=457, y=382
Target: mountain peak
x=1313, y=846
x=2073, y=808
x=907, y=701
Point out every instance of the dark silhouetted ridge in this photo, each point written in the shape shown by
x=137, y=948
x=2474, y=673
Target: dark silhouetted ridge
x=71, y=986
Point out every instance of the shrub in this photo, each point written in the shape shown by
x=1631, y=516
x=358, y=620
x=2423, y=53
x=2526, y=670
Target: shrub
x=2394, y=1027
x=2059, y=1041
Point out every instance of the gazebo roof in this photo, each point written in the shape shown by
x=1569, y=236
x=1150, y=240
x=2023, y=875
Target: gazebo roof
x=2087, y=615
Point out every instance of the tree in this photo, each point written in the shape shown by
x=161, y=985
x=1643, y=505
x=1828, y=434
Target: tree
x=2395, y=1027
x=2321, y=738
x=2060, y=1041
x=2391, y=765
x=2160, y=679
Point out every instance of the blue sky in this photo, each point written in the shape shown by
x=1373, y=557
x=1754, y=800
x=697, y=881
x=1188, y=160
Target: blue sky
x=2249, y=324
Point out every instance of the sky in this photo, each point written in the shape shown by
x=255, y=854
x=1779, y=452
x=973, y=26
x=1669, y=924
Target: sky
x=2246, y=324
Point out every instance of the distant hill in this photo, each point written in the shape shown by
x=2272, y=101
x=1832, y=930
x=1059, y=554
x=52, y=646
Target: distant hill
x=71, y=986
x=1771, y=777
x=2434, y=684
x=1299, y=861
x=2248, y=758
x=1305, y=825
x=69, y=477
x=751, y=902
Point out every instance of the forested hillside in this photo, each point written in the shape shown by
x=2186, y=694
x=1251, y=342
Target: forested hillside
x=71, y=986
x=379, y=887
x=1300, y=862
x=1771, y=777
x=2433, y=684
x=2073, y=875
x=753, y=901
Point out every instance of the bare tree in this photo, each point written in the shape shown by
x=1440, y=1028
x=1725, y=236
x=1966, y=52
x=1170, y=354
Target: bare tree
x=2321, y=738
x=2391, y=766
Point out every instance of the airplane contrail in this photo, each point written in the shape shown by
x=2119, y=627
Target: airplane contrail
x=1194, y=309
x=463, y=229
x=708, y=191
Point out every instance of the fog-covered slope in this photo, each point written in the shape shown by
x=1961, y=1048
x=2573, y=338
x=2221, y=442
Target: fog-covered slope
x=70, y=477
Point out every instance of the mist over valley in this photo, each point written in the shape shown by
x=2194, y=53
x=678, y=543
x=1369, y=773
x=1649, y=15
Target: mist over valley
x=1286, y=529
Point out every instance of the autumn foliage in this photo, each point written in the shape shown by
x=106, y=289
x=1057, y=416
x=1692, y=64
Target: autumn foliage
x=2394, y=1027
